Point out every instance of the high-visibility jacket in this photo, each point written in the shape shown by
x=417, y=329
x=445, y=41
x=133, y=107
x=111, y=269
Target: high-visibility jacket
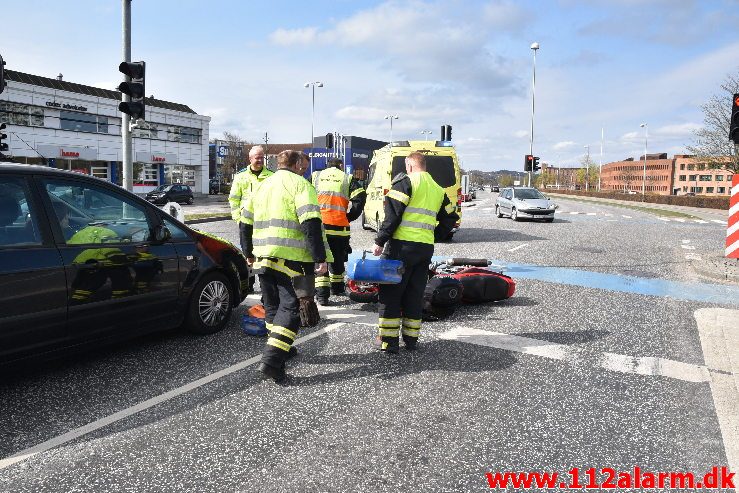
x=332, y=187
x=419, y=217
x=276, y=210
x=105, y=256
x=245, y=183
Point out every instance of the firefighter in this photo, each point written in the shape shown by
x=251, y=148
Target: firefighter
x=245, y=182
x=417, y=213
x=336, y=190
x=284, y=235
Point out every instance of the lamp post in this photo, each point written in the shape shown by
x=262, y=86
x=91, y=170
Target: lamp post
x=534, y=47
x=587, y=169
x=313, y=86
x=644, y=179
x=391, y=118
x=426, y=133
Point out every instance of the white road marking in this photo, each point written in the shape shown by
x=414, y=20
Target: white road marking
x=700, y=221
x=718, y=329
x=574, y=212
x=142, y=406
x=678, y=219
x=625, y=216
x=692, y=256
x=718, y=221
x=663, y=219
x=336, y=316
x=591, y=213
x=688, y=247
x=518, y=247
x=647, y=365
x=609, y=215
x=488, y=208
x=686, y=241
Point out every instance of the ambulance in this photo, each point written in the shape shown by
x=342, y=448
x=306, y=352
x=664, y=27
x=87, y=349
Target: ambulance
x=441, y=163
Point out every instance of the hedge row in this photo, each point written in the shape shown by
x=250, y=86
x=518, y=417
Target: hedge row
x=686, y=200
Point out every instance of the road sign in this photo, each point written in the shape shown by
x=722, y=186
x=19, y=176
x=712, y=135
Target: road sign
x=222, y=151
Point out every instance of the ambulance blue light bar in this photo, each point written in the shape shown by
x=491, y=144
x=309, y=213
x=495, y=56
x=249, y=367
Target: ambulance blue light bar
x=444, y=143
x=401, y=143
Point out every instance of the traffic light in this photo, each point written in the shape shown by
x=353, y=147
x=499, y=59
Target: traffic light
x=3, y=136
x=734, y=126
x=329, y=141
x=528, y=162
x=135, y=89
x=2, y=74
x=535, y=164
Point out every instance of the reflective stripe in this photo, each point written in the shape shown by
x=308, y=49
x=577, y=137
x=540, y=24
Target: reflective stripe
x=269, y=326
x=279, y=266
x=278, y=344
x=356, y=192
x=284, y=332
x=322, y=282
x=418, y=210
x=389, y=332
x=332, y=194
x=246, y=214
x=234, y=197
x=450, y=208
x=389, y=322
x=414, y=224
x=274, y=241
x=411, y=323
x=308, y=208
x=337, y=277
x=333, y=232
x=411, y=332
x=399, y=196
x=333, y=207
x=277, y=223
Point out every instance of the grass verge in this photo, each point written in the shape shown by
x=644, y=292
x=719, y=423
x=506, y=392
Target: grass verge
x=648, y=210
x=190, y=217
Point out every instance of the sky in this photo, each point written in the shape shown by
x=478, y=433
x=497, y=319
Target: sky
x=603, y=67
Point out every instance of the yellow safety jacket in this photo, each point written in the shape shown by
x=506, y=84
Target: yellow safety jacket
x=245, y=183
x=276, y=209
x=419, y=217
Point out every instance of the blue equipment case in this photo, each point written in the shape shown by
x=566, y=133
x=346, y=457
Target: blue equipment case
x=376, y=270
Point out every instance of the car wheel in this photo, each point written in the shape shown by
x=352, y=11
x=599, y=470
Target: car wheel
x=210, y=304
x=497, y=211
x=364, y=222
x=190, y=200
x=514, y=214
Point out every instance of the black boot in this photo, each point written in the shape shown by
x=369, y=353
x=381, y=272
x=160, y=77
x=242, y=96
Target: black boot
x=387, y=345
x=411, y=343
x=269, y=371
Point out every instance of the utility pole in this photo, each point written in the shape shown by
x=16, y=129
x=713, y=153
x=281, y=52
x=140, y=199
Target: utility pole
x=127, y=149
x=266, y=140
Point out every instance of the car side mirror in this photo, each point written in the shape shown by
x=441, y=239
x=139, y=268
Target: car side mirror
x=162, y=234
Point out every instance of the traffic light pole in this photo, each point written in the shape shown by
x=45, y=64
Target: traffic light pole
x=125, y=118
x=534, y=47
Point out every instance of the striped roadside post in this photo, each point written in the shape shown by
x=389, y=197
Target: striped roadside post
x=732, y=230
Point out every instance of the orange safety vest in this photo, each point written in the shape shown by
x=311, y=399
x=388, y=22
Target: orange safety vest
x=332, y=188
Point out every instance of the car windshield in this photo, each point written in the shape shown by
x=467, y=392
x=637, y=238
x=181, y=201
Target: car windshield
x=163, y=188
x=528, y=193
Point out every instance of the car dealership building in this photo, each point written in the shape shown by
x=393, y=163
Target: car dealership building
x=61, y=124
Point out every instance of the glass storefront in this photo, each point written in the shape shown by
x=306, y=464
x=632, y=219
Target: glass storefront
x=178, y=173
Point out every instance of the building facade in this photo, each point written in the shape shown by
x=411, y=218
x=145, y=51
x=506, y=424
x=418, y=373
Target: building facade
x=355, y=151
x=76, y=127
x=694, y=176
x=628, y=175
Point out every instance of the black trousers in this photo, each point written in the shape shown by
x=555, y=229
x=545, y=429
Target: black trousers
x=333, y=280
x=401, y=304
x=242, y=236
x=282, y=315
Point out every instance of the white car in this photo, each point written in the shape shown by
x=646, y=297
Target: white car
x=524, y=202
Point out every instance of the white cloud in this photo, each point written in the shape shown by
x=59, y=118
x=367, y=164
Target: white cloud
x=561, y=146
x=520, y=134
x=678, y=131
x=288, y=37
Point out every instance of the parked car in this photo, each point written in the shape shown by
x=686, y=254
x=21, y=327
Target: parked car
x=524, y=202
x=84, y=262
x=181, y=194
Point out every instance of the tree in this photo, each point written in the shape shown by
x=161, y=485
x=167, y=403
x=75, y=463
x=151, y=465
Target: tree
x=712, y=144
x=588, y=172
x=236, y=157
x=505, y=181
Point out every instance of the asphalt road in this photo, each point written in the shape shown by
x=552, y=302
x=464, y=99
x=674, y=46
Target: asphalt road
x=599, y=360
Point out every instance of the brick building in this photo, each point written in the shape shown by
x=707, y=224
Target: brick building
x=559, y=177
x=693, y=176
x=628, y=175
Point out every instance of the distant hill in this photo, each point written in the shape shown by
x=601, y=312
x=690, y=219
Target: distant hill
x=491, y=177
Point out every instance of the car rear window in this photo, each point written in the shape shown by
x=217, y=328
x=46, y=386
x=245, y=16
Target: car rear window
x=441, y=169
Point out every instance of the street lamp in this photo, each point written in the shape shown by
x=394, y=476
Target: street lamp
x=426, y=133
x=313, y=86
x=644, y=180
x=391, y=118
x=587, y=168
x=534, y=47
